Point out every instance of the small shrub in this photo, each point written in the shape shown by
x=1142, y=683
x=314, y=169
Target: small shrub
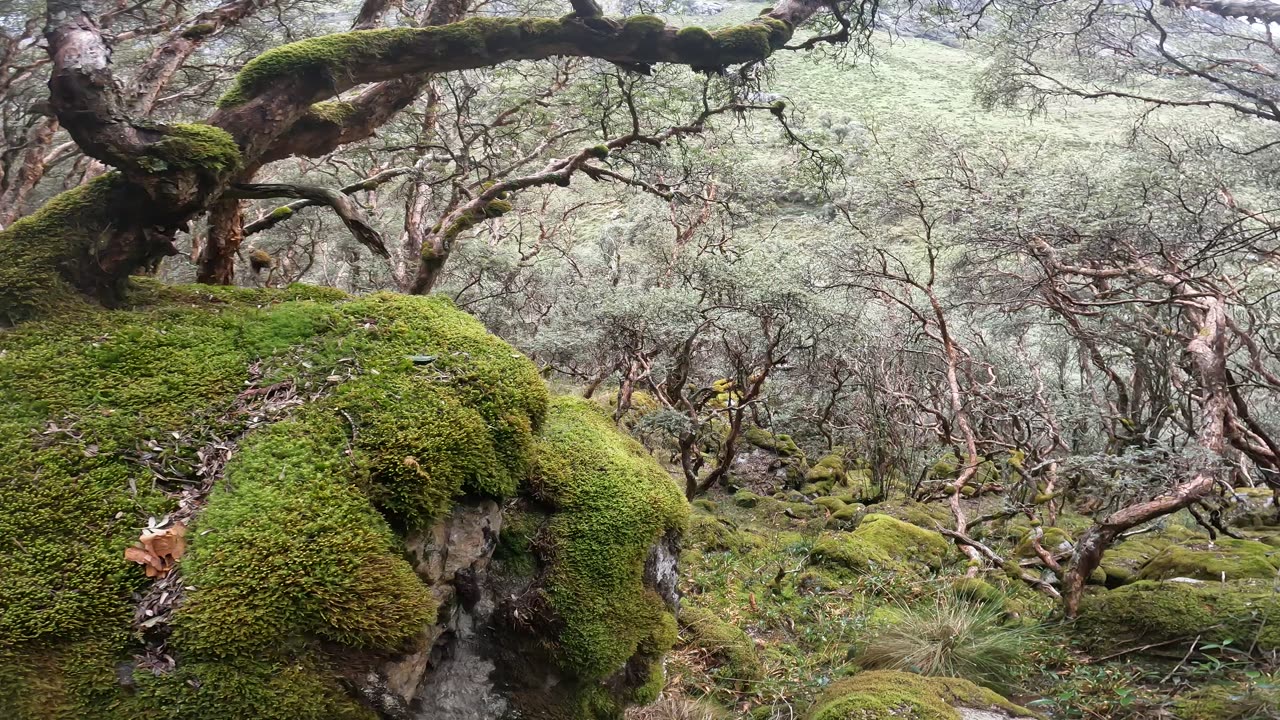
x=950, y=638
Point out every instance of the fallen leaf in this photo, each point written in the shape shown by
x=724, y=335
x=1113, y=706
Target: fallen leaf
x=158, y=549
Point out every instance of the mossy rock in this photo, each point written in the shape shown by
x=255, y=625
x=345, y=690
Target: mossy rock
x=979, y=591
x=711, y=507
x=924, y=515
x=1123, y=561
x=714, y=534
x=746, y=499
x=1055, y=540
x=894, y=695
x=296, y=558
x=1155, y=612
x=884, y=543
x=612, y=504
x=834, y=505
x=1225, y=559
x=1242, y=701
x=780, y=445
x=731, y=648
x=829, y=469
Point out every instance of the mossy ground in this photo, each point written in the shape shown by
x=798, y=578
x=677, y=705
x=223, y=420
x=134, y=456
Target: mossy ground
x=296, y=553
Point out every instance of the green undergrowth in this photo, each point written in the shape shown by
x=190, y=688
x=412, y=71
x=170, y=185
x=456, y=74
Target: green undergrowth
x=297, y=553
x=611, y=504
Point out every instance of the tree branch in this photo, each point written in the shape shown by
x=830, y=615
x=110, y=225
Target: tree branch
x=341, y=204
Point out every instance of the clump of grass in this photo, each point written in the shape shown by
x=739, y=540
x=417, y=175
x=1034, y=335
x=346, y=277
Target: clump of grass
x=677, y=707
x=951, y=637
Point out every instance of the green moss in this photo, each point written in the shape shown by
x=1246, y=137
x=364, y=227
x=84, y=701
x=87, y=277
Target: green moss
x=695, y=41
x=1244, y=701
x=333, y=112
x=746, y=499
x=1054, y=539
x=830, y=468
x=1122, y=562
x=979, y=591
x=515, y=552
x=1156, y=612
x=705, y=505
x=893, y=695
x=291, y=551
x=326, y=58
x=742, y=43
x=643, y=28
x=193, y=146
x=884, y=543
x=35, y=250
x=322, y=561
x=716, y=535
x=612, y=503
x=833, y=504
x=199, y=31
x=732, y=649
x=1228, y=559
x=282, y=212
x=781, y=445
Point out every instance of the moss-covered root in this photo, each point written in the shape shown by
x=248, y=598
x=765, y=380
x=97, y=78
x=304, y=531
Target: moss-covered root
x=612, y=504
x=894, y=695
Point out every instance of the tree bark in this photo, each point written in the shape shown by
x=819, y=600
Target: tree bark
x=217, y=262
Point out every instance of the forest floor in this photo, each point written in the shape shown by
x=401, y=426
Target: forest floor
x=782, y=598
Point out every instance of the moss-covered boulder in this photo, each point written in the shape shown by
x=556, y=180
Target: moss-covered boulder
x=1054, y=540
x=302, y=436
x=1243, y=701
x=1225, y=559
x=894, y=695
x=780, y=445
x=830, y=469
x=883, y=543
x=1154, y=612
x=1123, y=561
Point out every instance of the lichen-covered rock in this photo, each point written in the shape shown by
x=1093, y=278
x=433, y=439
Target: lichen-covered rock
x=884, y=543
x=319, y=447
x=1155, y=612
x=894, y=695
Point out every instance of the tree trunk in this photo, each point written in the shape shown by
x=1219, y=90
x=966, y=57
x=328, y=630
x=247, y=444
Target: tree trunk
x=217, y=262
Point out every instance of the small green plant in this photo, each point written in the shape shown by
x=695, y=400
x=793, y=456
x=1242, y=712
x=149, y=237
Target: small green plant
x=950, y=637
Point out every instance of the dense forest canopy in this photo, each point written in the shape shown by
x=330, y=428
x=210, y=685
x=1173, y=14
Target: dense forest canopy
x=1012, y=258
